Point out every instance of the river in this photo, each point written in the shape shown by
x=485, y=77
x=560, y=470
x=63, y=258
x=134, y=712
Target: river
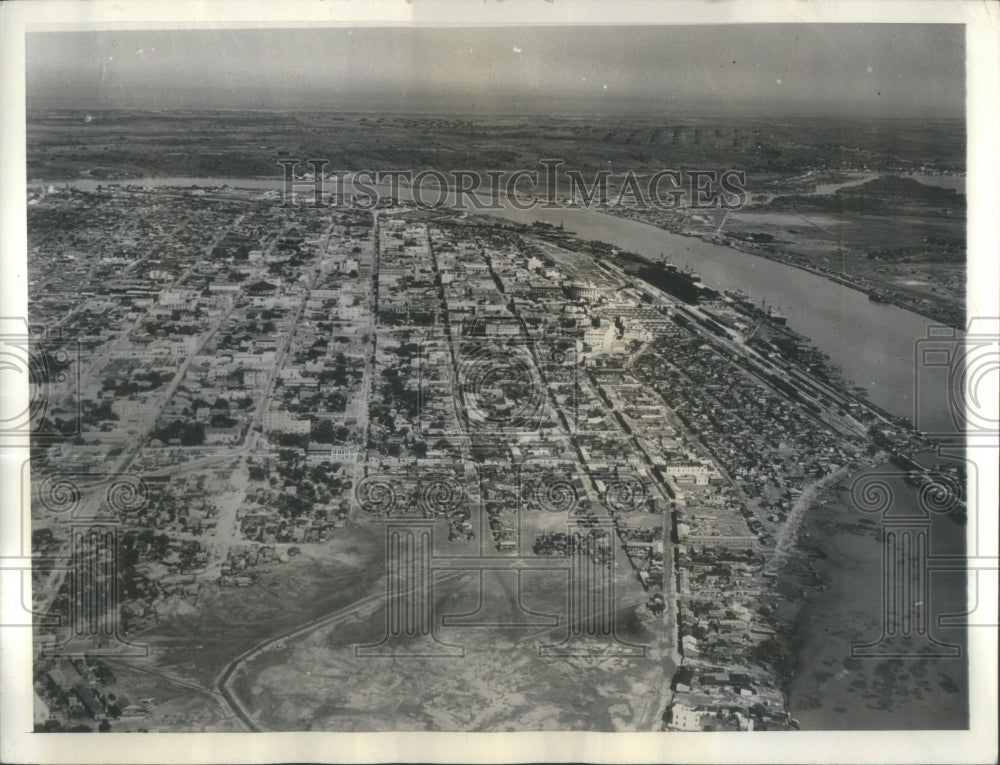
x=954, y=182
x=872, y=343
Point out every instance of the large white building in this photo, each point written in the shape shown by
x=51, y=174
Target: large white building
x=684, y=717
x=690, y=472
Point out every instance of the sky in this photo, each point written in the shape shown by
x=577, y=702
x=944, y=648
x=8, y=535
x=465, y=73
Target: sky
x=904, y=70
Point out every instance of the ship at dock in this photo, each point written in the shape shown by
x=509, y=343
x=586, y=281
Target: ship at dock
x=941, y=487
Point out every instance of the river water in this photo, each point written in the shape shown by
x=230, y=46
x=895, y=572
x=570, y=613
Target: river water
x=874, y=344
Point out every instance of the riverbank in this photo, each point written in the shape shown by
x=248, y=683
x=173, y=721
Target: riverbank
x=877, y=294
x=872, y=292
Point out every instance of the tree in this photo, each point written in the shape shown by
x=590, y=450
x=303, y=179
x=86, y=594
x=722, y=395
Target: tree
x=193, y=435
x=105, y=726
x=323, y=432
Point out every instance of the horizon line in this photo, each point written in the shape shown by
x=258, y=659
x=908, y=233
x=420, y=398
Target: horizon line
x=333, y=110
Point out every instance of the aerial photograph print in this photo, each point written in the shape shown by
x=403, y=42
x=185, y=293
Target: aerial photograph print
x=604, y=378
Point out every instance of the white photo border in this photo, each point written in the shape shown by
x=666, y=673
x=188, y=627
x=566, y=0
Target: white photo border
x=978, y=744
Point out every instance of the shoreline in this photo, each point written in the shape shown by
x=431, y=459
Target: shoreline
x=871, y=292
x=807, y=501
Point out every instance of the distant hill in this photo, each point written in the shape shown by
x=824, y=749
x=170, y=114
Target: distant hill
x=884, y=195
x=893, y=186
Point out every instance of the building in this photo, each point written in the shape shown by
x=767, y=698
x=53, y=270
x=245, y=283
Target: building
x=702, y=541
x=600, y=338
x=40, y=712
x=685, y=716
x=683, y=679
x=90, y=703
x=689, y=472
x=585, y=290
x=285, y=422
